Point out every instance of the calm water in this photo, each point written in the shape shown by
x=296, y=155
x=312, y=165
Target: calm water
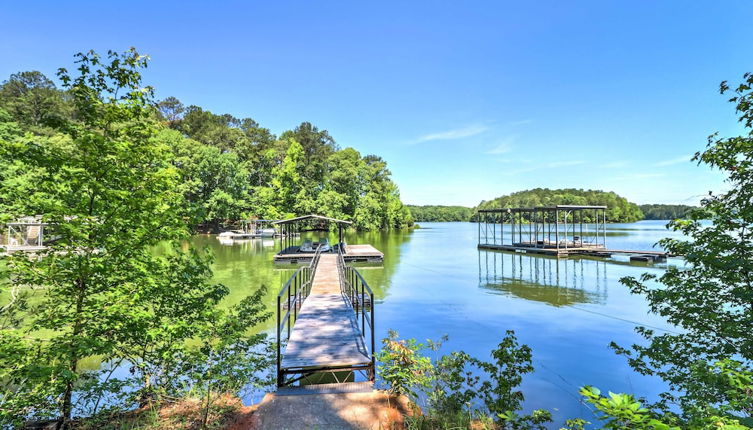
x=434, y=281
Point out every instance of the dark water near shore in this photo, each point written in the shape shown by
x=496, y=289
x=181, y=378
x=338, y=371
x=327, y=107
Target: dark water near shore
x=434, y=281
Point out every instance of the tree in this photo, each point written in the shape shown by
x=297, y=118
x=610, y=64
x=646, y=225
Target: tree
x=665, y=211
x=618, y=208
x=286, y=179
x=317, y=146
x=440, y=213
x=344, y=178
x=171, y=110
x=215, y=183
x=32, y=99
x=109, y=189
x=709, y=299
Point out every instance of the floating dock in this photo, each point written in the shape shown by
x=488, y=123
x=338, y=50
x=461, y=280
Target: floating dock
x=559, y=231
x=353, y=253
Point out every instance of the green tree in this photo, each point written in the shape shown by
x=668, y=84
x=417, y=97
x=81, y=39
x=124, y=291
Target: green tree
x=286, y=181
x=32, y=99
x=317, y=146
x=108, y=185
x=709, y=298
x=657, y=211
x=171, y=110
x=618, y=208
x=440, y=213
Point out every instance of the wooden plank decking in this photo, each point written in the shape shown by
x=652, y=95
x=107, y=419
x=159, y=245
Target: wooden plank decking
x=574, y=251
x=326, y=333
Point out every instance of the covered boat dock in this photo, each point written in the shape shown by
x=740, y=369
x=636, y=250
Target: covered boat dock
x=292, y=249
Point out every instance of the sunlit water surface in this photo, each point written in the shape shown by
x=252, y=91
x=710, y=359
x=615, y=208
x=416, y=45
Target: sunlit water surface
x=435, y=282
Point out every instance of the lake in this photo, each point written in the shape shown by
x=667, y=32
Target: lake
x=435, y=282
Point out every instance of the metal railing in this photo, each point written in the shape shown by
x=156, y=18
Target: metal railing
x=290, y=299
x=359, y=296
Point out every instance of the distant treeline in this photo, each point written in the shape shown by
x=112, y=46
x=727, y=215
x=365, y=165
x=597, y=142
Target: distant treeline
x=665, y=211
x=441, y=213
x=619, y=209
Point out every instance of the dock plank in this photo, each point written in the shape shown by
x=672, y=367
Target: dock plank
x=326, y=332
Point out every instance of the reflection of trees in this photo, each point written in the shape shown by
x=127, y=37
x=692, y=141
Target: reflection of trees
x=558, y=282
x=245, y=266
x=389, y=242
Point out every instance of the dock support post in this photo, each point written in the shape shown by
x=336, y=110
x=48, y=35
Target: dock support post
x=557, y=229
x=279, y=373
x=494, y=229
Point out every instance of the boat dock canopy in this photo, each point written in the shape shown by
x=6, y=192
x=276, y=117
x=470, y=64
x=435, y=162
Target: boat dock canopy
x=290, y=249
x=558, y=230
x=312, y=217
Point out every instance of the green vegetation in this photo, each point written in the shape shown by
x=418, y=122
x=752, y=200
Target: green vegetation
x=458, y=391
x=105, y=177
x=625, y=212
x=657, y=211
x=231, y=168
x=709, y=298
x=618, y=208
x=441, y=213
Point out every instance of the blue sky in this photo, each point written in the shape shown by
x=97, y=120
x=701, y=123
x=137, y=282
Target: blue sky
x=465, y=100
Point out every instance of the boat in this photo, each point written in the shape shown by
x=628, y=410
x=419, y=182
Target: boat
x=237, y=234
x=267, y=232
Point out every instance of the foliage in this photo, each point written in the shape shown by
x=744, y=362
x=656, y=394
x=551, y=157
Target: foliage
x=231, y=358
x=462, y=390
x=441, y=213
x=232, y=168
x=618, y=208
x=107, y=183
x=668, y=212
x=709, y=299
x=402, y=365
x=33, y=100
x=622, y=411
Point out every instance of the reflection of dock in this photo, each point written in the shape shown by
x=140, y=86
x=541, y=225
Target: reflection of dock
x=550, y=280
x=353, y=253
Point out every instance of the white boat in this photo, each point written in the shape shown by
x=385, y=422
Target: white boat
x=267, y=232
x=236, y=234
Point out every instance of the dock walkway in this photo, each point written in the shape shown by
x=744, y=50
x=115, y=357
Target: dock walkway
x=324, y=334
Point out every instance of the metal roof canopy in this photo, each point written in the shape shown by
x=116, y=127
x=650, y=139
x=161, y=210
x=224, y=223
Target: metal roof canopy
x=310, y=217
x=543, y=208
x=290, y=227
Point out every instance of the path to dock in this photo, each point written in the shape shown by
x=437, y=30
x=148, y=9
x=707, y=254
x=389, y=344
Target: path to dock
x=331, y=409
x=326, y=333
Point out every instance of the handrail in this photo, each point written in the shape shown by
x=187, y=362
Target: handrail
x=350, y=281
x=297, y=287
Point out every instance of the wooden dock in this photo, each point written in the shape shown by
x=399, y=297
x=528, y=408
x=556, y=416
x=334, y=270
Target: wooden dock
x=591, y=251
x=353, y=253
x=324, y=333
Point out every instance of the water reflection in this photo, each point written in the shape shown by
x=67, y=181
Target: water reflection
x=558, y=282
